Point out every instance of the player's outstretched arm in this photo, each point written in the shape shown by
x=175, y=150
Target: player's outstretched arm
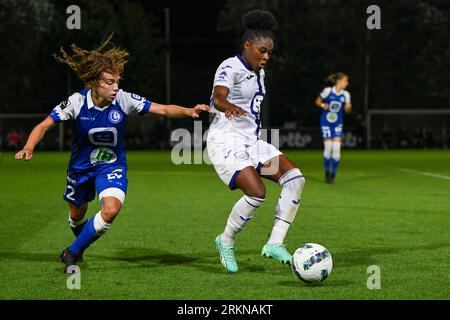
x=222, y=104
x=321, y=104
x=174, y=111
x=35, y=137
x=348, y=107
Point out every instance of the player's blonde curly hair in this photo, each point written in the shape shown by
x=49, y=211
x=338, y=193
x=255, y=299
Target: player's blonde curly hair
x=88, y=65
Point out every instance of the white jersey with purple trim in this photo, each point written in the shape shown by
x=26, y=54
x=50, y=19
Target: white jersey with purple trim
x=99, y=132
x=246, y=91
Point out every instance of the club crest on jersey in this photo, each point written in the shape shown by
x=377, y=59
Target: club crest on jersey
x=115, y=116
x=342, y=99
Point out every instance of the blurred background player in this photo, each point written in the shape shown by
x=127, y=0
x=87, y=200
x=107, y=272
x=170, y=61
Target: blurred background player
x=239, y=157
x=98, y=158
x=333, y=100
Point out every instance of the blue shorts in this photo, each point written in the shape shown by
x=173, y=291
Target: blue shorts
x=330, y=132
x=81, y=185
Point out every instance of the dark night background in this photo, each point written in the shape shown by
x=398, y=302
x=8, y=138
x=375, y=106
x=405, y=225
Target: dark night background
x=409, y=56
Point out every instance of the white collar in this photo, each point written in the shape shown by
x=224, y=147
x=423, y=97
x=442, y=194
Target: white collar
x=334, y=90
x=90, y=102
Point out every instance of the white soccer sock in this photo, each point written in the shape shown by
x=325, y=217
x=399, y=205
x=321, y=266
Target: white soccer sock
x=241, y=213
x=74, y=224
x=327, y=149
x=292, y=183
x=336, y=150
x=279, y=231
x=100, y=225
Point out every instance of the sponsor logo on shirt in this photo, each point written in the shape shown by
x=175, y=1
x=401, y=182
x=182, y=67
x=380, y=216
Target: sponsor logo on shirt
x=87, y=118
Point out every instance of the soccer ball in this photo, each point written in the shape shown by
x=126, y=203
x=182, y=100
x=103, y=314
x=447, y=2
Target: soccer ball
x=312, y=263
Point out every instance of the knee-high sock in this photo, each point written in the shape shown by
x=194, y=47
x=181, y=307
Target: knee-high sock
x=77, y=226
x=327, y=155
x=336, y=155
x=93, y=230
x=292, y=183
x=241, y=213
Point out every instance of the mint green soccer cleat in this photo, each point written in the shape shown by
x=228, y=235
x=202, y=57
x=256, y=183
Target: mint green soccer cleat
x=278, y=252
x=227, y=257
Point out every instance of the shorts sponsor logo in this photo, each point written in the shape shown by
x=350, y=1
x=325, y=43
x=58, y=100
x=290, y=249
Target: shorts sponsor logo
x=114, y=175
x=242, y=155
x=70, y=180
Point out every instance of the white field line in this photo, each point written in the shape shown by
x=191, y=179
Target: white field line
x=423, y=173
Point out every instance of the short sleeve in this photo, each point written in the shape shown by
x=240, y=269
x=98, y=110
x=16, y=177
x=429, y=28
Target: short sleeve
x=67, y=109
x=133, y=103
x=325, y=93
x=347, y=97
x=225, y=75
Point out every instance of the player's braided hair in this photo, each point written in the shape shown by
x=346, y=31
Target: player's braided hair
x=88, y=65
x=258, y=24
x=333, y=78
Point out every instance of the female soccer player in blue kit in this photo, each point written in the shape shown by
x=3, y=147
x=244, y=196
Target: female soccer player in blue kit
x=333, y=100
x=239, y=156
x=98, y=158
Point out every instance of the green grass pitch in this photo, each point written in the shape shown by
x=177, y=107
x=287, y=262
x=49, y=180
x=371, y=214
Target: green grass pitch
x=162, y=244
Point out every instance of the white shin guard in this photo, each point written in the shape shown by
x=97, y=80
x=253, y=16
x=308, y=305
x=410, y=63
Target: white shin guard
x=100, y=225
x=74, y=224
x=292, y=183
x=327, y=149
x=336, y=150
x=241, y=213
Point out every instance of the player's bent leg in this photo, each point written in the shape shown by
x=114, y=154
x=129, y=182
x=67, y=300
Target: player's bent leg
x=111, y=206
x=111, y=203
x=77, y=217
x=250, y=183
x=292, y=182
x=77, y=220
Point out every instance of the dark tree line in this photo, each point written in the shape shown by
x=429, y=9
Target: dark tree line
x=32, y=81
x=409, y=56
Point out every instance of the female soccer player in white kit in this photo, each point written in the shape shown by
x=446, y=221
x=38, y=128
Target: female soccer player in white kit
x=234, y=147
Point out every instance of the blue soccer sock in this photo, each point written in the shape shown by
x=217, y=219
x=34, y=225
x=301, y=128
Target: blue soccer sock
x=327, y=162
x=93, y=230
x=335, y=164
x=336, y=149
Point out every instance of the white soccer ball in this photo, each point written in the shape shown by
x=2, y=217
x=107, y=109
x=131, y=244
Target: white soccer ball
x=312, y=263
